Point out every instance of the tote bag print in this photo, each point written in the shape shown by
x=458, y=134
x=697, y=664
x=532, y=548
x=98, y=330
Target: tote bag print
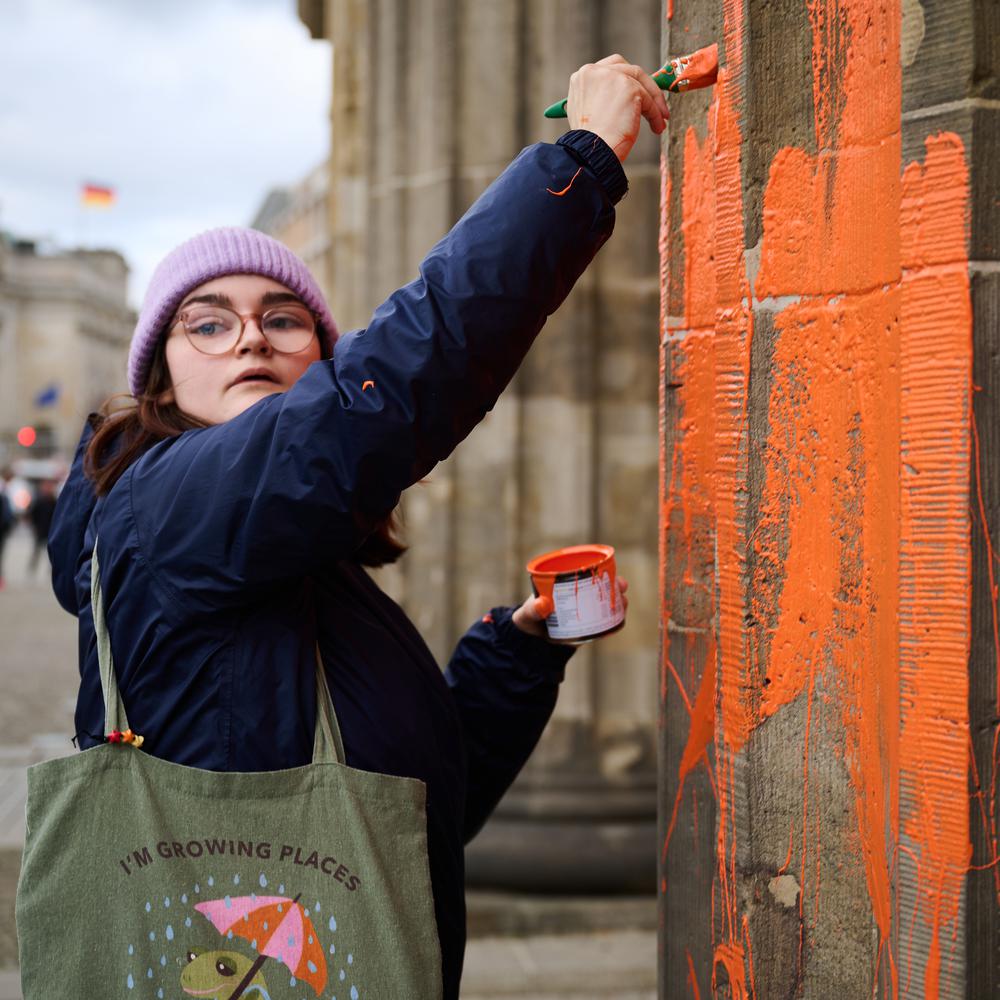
x=222, y=942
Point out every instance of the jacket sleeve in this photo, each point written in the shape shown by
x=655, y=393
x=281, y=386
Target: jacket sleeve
x=69, y=524
x=300, y=477
x=504, y=683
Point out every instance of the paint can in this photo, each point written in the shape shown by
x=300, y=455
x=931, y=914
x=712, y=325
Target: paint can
x=582, y=583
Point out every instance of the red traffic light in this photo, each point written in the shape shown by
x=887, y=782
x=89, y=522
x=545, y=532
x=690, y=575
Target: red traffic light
x=26, y=436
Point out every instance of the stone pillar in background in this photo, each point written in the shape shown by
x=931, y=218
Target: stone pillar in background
x=830, y=707
x=432, y=99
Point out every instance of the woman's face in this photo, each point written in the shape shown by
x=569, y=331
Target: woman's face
x=215, y=387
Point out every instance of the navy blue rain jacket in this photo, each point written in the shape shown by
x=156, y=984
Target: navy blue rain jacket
x=227, y=552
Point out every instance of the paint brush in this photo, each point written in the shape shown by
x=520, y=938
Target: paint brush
x=700, y=69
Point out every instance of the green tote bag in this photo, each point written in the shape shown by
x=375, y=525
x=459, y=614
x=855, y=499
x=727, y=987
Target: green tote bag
x=147, y=879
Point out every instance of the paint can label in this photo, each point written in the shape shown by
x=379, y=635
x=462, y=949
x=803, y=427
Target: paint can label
x=585, y=606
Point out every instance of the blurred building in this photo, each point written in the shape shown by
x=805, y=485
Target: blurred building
x=64, y=332
x=299, y=217
x=431, y=100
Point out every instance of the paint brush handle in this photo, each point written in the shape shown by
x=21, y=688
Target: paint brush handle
x=700, y=69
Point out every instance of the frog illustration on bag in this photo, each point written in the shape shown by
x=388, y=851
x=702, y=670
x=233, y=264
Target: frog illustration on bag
x=215, y=974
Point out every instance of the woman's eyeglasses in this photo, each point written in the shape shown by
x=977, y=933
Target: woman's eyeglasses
x=216, y=330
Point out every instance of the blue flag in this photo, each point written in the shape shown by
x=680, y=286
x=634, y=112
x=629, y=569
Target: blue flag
x=49, y=396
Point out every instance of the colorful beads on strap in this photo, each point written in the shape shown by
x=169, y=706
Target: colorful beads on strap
x=115, y=736
x=118, y=736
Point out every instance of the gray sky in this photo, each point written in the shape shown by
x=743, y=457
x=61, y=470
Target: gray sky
x=190, y=109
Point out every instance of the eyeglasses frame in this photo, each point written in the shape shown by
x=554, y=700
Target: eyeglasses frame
x=257, y=316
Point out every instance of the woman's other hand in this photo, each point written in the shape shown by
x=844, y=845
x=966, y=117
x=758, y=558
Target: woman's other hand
x=530, y=616
x=611, y=97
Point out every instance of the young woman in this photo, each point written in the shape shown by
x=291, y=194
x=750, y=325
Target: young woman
x=235, y=505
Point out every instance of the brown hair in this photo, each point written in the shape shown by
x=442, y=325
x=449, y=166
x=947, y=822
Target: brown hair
x=127, y=427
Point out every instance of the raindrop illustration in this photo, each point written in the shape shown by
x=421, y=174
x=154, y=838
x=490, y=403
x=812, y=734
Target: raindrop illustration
x=333, y=923
x=230, y=935
x=149, y=906
x=170, y=932
x=130, y=982
x=291, y=982
x=317, y=907
x=311, y=966
x=229, y=902
x=281, y=888
x=236, y=880
x=291, y=940
x=350, y=959
x=263, y=881
x=310, y=936
x=184, y=898
x=131, y=949
x=253, y=944
x=166, y=901
x=343, y=975
x=197, y=888
x=187, y=921
x=152, y=935
x=163, y=960
x=159, y=993
x=307, y=912
x=149, y=973
x=333, y=949
x=354, y=993
x=211, y=880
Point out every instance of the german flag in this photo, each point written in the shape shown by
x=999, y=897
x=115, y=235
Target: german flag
x=97, y=196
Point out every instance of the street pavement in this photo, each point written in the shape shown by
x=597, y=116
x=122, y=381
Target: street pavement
x=608, y=949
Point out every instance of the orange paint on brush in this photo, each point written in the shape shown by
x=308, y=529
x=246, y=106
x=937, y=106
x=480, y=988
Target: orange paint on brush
x=936, y=557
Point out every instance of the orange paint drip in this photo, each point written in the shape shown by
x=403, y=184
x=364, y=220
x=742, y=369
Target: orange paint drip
x=700, y=736
x=559, y=194
x=692, y=978
x=936, y=557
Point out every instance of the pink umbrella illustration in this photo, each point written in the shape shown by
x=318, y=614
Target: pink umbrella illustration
x=278, y=928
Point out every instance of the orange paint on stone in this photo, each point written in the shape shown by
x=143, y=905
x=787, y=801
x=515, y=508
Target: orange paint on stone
x=936, y=558
x=861, y=547
x=692, y=978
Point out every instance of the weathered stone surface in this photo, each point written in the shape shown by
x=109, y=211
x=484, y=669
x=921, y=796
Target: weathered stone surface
x=982, y=909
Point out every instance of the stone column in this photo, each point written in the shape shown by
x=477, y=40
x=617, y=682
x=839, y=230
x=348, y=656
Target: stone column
x=436, y=97
x=830, y=707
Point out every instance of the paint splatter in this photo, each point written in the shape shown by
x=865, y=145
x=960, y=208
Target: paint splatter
x=559, y=194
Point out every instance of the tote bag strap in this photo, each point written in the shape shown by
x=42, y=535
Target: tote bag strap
x=114, y=709
x=328, y=745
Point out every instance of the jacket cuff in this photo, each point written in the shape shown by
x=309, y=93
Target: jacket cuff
x=534, y=654
x=592, y=151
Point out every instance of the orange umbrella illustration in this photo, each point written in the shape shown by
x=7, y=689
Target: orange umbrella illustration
x=278, y=928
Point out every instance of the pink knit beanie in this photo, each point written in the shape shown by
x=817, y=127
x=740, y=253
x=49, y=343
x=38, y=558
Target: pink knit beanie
x=209, y=255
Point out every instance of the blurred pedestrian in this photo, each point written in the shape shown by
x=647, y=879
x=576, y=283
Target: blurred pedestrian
x=40, y=518
x=8, y=520
x=215, y=535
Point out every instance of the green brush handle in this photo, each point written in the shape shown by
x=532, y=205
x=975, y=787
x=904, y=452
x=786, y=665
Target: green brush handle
x=665, y=78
